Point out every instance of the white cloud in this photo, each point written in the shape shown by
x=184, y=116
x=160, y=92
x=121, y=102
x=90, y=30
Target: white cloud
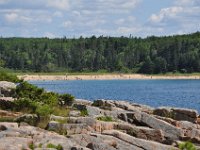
x=102, y=7
x=58, y=14
x=95, y=22
x=182, y=17
x=58, y=4
x=14, y=17
x=120, y=21
x=170, y=12
x=67, y=24
x=19, y=16
x=89, y=17
x=130, y=20
x=11, y=17
x=76, y=13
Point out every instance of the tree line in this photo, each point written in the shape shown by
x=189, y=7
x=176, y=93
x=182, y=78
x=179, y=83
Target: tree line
x=150, y=55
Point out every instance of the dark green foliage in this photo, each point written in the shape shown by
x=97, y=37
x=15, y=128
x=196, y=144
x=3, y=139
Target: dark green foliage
x=58, y=147
x=29, y=91
x=28, y=106
x=43, y=122
x=105, y=118
x=6, y=105
x=61, y=111
x=132, y=132
x=187, y=146
x=25, y=105
x=31, y=146
x=147, y=67
x=40, y=145
x=8, y=77
x=66, y=99
x=101, y=104
x=26, y=90
x=44, y=110
x=160, y=65
x=119, y=54
x=49, y=98
x=84, y=112
x=183, y=71
x=32, y=99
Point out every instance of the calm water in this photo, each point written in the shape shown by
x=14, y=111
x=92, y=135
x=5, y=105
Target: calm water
x=177, y=93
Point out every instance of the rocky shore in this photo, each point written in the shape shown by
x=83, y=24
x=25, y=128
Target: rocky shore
x=105, y=125
x=98, y=125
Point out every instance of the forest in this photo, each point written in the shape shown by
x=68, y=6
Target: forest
x=150, y=55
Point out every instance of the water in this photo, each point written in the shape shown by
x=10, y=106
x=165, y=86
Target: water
x=176, y=93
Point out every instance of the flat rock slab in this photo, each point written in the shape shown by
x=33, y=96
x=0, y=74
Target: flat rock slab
x=6, y=88
x=179, y=114
x=9, y=125
x=102, y=142
x=143, y=132
x=168, y=130
x=7, y=85
x=15, y=143
x=143, y=144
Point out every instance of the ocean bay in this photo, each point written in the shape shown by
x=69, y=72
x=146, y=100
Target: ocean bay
x=155, y=93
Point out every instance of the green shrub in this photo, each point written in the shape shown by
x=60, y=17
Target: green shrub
x=84, y=112
x=28, y=106
x=66, y=99
x=105, y=118
x=58, y=147
x=60, y=130
x=187, y=146
x=44, y=110
x=8, y=77
x=35, y=100
x=62, y=121
x=49, y=98
x=101, y=104
x=61, y=111
x=43, y=122
x=26, y=90
x=25, y=105
x=40, y=145
x=51, y=145
x=132, y=132
x=32, y=146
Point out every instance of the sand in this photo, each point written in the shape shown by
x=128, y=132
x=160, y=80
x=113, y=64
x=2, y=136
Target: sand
x=105, y=77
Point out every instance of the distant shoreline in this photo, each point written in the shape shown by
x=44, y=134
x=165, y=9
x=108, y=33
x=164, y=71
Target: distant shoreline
x=105, y=77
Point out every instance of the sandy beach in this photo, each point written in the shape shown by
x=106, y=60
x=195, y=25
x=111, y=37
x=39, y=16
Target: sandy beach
x=105, y=77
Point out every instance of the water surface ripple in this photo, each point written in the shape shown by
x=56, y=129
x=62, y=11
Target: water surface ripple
x=176, y=93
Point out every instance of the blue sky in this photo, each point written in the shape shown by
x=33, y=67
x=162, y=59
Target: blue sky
x=74, y=18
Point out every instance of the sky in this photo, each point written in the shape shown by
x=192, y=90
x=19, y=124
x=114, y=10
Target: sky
x=75, y=18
